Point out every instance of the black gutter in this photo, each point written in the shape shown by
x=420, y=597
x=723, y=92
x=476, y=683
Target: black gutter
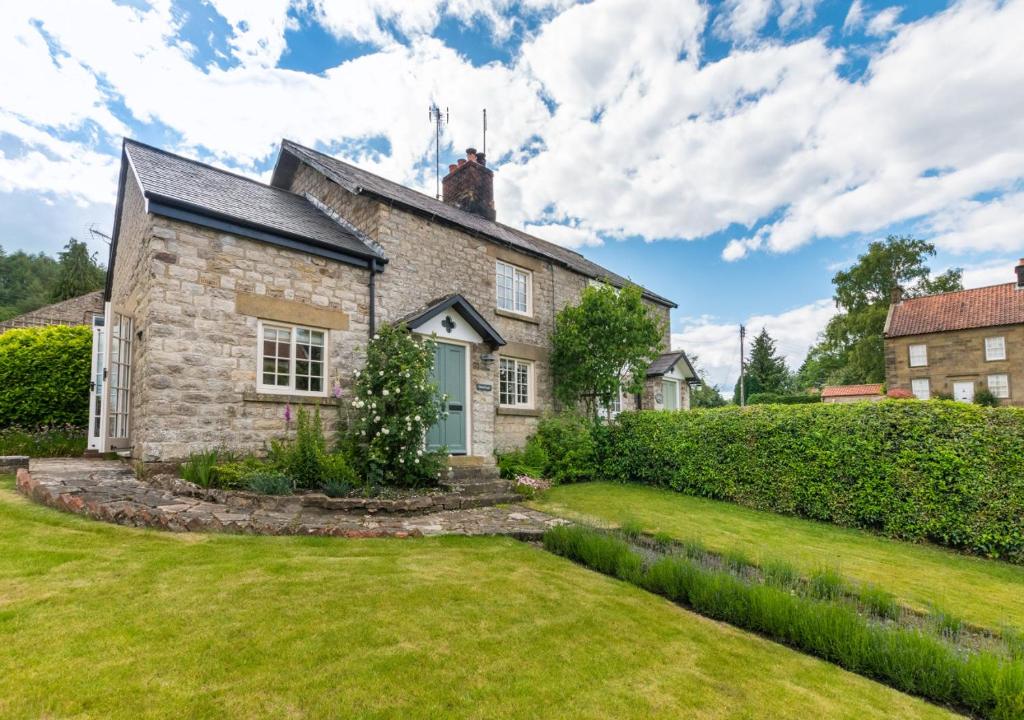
x=187, y=212
x=373, y=298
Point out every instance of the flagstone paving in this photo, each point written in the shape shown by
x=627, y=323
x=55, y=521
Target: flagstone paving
x=108, y=490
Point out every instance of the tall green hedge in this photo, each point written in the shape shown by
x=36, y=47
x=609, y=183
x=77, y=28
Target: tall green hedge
x=941, y=471
x=44, y=376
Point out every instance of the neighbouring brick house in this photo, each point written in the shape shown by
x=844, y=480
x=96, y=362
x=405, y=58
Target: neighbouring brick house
x=75, y=311
x=851, y=393
x=958, y=343
x=228, y=298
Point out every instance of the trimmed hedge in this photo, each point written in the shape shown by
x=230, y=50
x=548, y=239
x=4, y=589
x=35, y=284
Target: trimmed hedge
x=44, y=376
x=946, y=472
x=768, y=398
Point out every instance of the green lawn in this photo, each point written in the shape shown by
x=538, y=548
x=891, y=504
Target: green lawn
x=99, y=621
x=985, y=592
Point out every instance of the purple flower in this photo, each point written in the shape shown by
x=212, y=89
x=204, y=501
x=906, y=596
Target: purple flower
x=337, y=391
x=288, y=412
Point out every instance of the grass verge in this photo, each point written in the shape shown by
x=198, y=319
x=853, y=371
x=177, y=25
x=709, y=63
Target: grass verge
x=911, y=661
x=986, y=593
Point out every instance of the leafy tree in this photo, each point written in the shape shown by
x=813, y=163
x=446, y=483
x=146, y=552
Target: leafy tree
x=25, y=282
x=603, y=346
x=766, y=370
x=78, y=272
x=704, y=395
x=851, y=349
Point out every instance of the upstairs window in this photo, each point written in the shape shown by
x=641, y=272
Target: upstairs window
x=292, y=359
x=514, y=383
x=513, y=288
x=918, y=355
x=995, y=348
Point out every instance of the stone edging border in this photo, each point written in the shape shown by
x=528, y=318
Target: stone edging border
x=133, y=514
x=241, y=499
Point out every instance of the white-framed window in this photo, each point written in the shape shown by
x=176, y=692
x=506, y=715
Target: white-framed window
x=918, y=355
x=995, y=348
x=292, y=359
x=513, y=288
x=613, y=409
x=921, y=388
x=999, y=385
x=515, y=383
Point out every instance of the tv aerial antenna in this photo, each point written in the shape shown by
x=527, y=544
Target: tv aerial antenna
x=438, y=119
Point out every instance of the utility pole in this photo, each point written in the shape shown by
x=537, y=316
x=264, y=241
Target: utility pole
x=743, y=368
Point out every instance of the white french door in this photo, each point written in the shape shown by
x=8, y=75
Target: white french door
x=97, y=382
x=119, y=378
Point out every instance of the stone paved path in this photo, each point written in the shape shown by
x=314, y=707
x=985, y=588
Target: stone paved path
x=108, y=490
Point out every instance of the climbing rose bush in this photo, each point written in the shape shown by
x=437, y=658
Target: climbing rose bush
x=394, y=404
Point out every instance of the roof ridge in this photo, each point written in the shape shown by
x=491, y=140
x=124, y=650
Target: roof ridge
x=200, y=163
x=953, y=292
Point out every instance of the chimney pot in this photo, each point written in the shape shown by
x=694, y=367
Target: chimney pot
x=896, y=295
x=1020, y=274
x=451, y=167
x=469, y=185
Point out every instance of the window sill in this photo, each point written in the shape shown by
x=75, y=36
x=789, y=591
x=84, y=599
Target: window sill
x=516, y=316
x=265, y=397
x=521, y=412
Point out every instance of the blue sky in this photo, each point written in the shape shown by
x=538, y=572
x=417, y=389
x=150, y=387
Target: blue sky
x=731, y=156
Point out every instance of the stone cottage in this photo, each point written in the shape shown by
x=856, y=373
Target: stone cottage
x=227, y=298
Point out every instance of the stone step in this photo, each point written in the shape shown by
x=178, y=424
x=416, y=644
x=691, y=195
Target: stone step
x=474, y=501
x=479, y=472
x=481, y=487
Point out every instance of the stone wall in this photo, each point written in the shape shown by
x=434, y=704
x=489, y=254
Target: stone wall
x=76, y=311
x=195, y=364
x=428, y=260
x=958, y=356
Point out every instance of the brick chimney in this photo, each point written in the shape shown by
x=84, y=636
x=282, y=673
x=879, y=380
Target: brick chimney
x=1020, y=274
x=469, y=185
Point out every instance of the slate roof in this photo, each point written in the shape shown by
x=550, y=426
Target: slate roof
x=851, y=390
x=666, y=361
x=192, y=186
x=356, y=180
x=462, y=306
x=961, y=310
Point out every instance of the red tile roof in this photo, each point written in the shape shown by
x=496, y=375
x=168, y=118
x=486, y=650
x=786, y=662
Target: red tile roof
x=980, y=307
x=851, y=390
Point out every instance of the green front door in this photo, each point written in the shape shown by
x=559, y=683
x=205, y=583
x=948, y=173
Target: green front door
x=450, y=376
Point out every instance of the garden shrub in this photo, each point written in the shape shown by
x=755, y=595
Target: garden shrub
x=267, y=482
x=986, y=398
x=950, y=473
x=395, y=404
x=569, y=441
x=62, y=441
x=200, y=468
x=44, y=376
x=531, y=461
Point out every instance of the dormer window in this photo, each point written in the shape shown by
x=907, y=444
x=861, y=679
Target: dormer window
x=513, y=288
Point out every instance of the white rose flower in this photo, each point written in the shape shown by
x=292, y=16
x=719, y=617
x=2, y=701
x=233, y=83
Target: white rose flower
x=398, y=390
x=417, y=418
x=385, y=431
x=381, y=373
x=376, y=418
x=417, y=461
x=384, y=392
x=419, y=452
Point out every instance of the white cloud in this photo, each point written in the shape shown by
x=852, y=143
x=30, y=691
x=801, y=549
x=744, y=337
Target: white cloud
x=971, y=225
x=854, y=17
x=992, y=272
x=884, y=22
x=630, y=133
x=716, y=344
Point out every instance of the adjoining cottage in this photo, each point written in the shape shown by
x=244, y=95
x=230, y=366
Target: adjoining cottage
x=81, y=310
x=227, y=299
x=958, y=343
